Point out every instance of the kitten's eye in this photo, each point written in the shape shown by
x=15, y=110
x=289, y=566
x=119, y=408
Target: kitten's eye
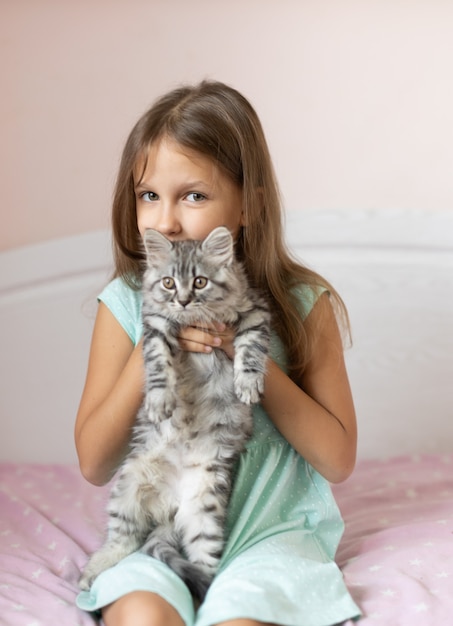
x=168, y=282
x=200, y=282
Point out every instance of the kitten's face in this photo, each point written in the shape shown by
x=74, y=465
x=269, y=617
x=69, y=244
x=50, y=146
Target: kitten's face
x=190, y=280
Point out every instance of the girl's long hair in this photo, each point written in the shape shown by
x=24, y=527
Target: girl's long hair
x=218, y=122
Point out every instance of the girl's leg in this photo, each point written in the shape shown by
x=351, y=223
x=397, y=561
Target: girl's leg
x=141, y=608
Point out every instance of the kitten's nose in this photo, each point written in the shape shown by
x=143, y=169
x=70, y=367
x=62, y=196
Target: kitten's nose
x=184, y=301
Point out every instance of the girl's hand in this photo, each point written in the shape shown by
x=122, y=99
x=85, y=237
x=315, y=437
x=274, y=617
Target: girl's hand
x=211, y=336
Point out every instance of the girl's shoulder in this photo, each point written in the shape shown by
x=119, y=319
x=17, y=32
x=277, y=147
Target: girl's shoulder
x=306, y=297
x=125, y=303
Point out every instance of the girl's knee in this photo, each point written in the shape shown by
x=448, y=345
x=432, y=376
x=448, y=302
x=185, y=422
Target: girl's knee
x=141, y=608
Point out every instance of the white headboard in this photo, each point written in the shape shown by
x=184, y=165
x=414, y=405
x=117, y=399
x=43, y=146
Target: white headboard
x=394, y=269
x=47, y=308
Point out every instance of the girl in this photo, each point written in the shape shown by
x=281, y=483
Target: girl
x=196, y=160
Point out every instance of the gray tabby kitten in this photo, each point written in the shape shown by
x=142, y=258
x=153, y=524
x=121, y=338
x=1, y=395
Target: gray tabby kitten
x=171, y=496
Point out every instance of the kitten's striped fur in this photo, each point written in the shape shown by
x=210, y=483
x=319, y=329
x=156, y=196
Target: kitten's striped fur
x=171, y=496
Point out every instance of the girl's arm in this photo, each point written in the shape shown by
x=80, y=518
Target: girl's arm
x=111, y=398
x=317, y=415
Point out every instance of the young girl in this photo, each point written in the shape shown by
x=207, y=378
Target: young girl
x=196, y=160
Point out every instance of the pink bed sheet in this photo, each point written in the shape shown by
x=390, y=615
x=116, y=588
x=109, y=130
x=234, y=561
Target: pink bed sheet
x=396, y=554
x=397, y=550
x=50, y=518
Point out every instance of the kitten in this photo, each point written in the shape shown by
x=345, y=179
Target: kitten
x=171, y=496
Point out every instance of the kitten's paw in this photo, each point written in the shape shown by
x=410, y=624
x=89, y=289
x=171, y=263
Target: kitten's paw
x=248, y=387
x=85, y=582
x=107, y=556
x=90, y=573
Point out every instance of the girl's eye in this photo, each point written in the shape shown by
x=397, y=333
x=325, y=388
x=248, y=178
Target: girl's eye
x=200, y=282
x=195, y=197
x=168, y=282
x=149, y=196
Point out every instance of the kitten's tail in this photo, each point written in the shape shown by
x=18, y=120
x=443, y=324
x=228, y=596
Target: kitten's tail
x=196, y=577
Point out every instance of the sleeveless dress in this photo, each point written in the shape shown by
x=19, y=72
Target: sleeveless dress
x=283, y=528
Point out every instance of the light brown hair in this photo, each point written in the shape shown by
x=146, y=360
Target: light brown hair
x=218, y=122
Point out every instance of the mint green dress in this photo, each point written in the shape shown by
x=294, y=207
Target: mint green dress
x=283, y=529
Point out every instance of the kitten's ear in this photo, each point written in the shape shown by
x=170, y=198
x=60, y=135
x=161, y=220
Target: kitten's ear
x=156, y=245
x=219, y=243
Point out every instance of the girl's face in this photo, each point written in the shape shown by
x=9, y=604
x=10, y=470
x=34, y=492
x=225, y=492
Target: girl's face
x=184, y=195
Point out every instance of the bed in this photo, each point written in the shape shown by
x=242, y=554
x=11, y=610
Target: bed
x=395, y=271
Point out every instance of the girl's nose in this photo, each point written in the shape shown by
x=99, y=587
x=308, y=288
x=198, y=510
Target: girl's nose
x=169, y=223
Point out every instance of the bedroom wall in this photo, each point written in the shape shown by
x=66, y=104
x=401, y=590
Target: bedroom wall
x=355, y=97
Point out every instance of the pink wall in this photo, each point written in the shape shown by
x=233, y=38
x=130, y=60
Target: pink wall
x=356, y=97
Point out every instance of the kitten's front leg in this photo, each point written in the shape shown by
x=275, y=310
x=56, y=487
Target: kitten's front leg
x=251, y=347
x=160, y=400
x=248, y=386
x=160, y=388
